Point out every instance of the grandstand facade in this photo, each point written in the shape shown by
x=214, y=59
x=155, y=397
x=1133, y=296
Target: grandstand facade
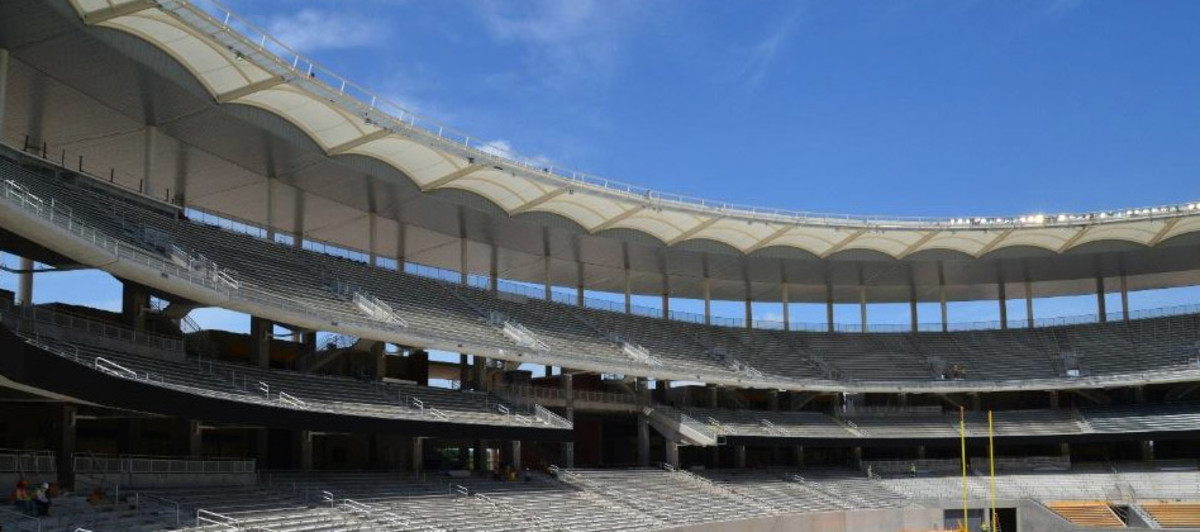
x=202, y=164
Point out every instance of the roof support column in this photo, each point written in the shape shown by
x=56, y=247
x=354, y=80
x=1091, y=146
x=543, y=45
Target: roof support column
x=912, y=313
x=270, y=209
x=373, y=239
x=862, y=305
x=3, y=84
x=666, y=304
x=1003, y=299
x=298, y=221
x=628, y=296
x=666, y=287
x=546, y=262
x=1124, y=299
x=401, y=242
x=25, y=282
x=749, y=313
x=462, y=246
x=149, y=142
x=579, y=283
x=787, y=310
x=707, y=301
x=568, y=389
x=494, y=269
x=942, y=298
x=829, y=307
x=181, y=179
x=1101, y=305
x=1029, y=304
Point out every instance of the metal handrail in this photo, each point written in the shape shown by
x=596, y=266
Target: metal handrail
x=37, y=527
x=161, y=500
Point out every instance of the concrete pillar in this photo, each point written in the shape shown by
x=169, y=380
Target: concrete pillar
x=942, y=298
x=715, y=456
x=1147, y=447
x=773, y=400
x=25, y=282
x=418, y=454
x=401, y=246
x=129, y=441
x=1054, y=399
x=463, y=274
x=379, y=356
x=494, y=269
x=643, y=390
x=1003, y=300
x=857, y=457
x=1139, y=394
x=787, y=307
x=568, y=448
x=481, y=376
x=305, y=450
x=260, y=341
x=749, y=314
x=479, y=455
x=666, y=305
x=262, y=447
x=1029, y=304
x=515, y=451
x=271, y=211
x=975, y=401
x=643, y=440
x=135, y=300
x=64, y=434
x=798, y=455
x=373, y=239
x=464, y=372
x=1101, y=304
x=707, y=301
x=829, y=326
x=862, y=306
x=298, y=209
x=739, y=456
x=150, y=141
x=672, y=454
x=3, y=85
x=920, y=452
x=189, y=438
x=1124, y=299
x=713, y=395
x=1064, y=450
x=912, y=313
x=628, y=293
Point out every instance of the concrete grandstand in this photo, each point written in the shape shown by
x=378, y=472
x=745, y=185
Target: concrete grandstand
x=202, y=163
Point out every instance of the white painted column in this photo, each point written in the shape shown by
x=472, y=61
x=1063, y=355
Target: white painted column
x=25, y=283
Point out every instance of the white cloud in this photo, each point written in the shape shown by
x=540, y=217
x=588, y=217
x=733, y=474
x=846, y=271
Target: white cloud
x=310, y=29
x=566, y=43
x=504, y=148
x=762, y=55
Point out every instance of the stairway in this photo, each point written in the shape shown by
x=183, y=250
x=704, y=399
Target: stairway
x=1087, y=513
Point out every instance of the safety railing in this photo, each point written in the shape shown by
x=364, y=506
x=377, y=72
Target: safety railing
x=544, y=415
x=527, y=394
x=291, y=400
x=89, y=463
x=22, y=521
x=27, y=461
x=32, y=319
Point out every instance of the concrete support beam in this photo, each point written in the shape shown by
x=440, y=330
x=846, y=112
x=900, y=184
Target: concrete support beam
x=25, y=283
x=942, y=298
x=643, y=440
x=1002, y=298
x=418, y=454
x=298, y=210
x=149, y=145
x=829, y=325
x=479, y=455
x=379, y=356
x=189, y=438
x=464, y=372
x=1101, y=304
x=373, y=239
x=1124, y=299
x=739, y=456
x=798, y=455
x=4, y=60
x=773, y=400
x=271, y=184
x=568, y=448
x=515, y=454
x=262, y=447
x=713, y=395
x=707, y=301
x=304, y=450
x=672, y=454
x=1147, y=448
x=786, y=306
x=64, y=433
x=481, y=376
x=666, y=305
x=261, y=332
x=862, y=306
x=1064, y=450
x=1029, y=304
x=912, y=313
x=1054, y=399
x=135, y=303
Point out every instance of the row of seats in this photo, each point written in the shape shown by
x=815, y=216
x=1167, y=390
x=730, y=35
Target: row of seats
x=278, y=274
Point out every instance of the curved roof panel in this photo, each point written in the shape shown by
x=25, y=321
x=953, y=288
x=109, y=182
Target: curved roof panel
x=238, y=63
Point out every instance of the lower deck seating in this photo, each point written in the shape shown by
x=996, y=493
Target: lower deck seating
x=1174, y=514
x=1087, y=513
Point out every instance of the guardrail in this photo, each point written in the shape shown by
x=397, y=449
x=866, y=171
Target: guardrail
x=24, y=522
x=88, y=463
x=27, y=461
x=161, y=501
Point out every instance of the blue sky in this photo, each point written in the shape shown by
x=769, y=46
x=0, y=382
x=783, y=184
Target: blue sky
x=943, y=108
